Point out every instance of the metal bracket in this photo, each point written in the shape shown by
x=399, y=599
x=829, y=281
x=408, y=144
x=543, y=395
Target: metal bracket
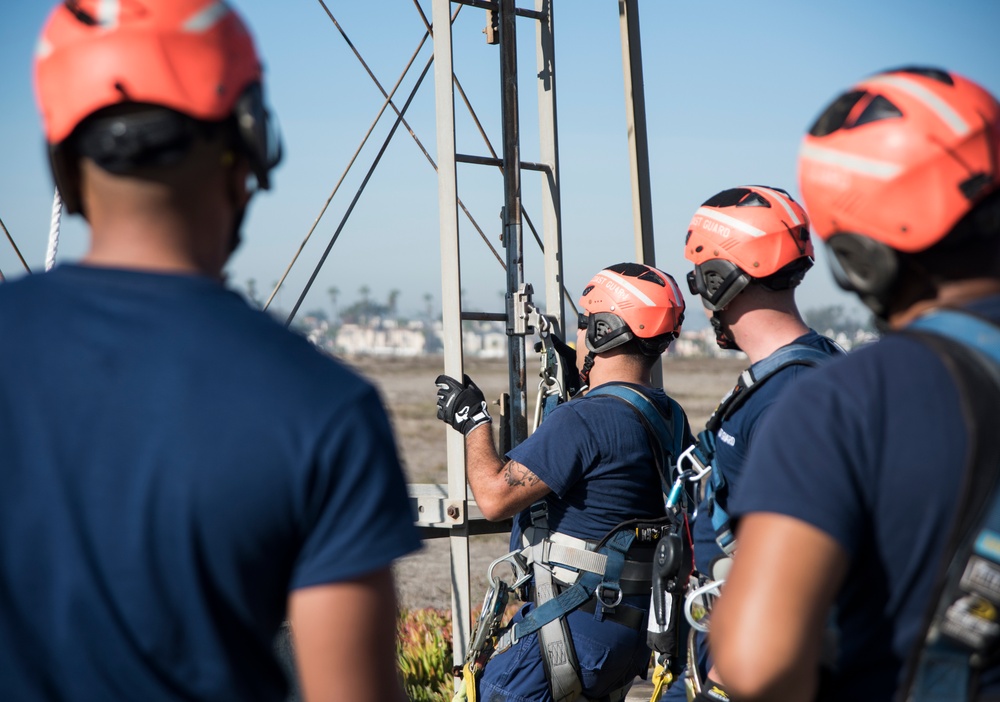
x=523, y=318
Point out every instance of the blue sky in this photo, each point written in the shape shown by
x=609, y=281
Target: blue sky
x=730, y=89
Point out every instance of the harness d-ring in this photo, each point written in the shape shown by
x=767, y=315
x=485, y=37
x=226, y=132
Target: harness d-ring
x=600, y=595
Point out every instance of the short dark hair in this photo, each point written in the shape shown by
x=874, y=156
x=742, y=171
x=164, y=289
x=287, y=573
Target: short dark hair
x=970, y=250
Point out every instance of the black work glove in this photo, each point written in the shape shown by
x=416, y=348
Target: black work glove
x=461, y=405
x=571, y=374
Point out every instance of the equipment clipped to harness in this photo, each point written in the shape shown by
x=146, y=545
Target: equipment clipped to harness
x=560, y=380
x=567, y=573
x=962, y=630
x=699, y=459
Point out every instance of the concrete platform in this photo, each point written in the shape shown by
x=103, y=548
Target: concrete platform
x=640, y=692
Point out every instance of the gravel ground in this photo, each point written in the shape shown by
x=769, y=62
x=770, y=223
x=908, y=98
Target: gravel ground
x=407, y=385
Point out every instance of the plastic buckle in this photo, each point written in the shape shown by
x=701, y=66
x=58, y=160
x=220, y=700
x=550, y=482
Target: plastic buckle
x=698, y=469
x=602, y=588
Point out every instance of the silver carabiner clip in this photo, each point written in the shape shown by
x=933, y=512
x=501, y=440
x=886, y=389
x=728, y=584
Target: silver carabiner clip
x=698, y=470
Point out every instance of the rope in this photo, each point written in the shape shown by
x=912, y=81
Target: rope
x=50, y=252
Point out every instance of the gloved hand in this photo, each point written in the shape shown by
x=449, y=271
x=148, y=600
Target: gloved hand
x=712, y=691
x=461, y=405
x=571, y=374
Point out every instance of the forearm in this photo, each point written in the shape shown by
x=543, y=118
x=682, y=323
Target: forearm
x=767, y=627
x=344, y=636
x=502, y=489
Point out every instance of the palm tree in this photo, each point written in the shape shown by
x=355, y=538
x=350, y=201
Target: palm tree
x=365, y=291
x=252, y=291
x=427, y=301
x=393, y=302
x=334, y=293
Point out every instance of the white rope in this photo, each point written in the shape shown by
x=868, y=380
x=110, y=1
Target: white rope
x=50, y=252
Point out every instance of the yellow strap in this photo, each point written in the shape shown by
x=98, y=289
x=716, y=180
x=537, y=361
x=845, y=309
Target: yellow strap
x=467, y=688
x=661, y=681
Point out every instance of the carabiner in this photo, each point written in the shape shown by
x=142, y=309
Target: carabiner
x=698, y=469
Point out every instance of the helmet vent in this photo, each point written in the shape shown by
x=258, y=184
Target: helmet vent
x=82, y=15
x=878, y=109
x=834, y=117
x=926, y=72
x=637, y=270
x=736, y=197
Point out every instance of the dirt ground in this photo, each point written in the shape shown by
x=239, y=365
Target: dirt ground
x=407, y=386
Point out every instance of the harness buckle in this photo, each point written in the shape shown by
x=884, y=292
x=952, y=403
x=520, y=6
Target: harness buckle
x=605, y=603
x=698, y=470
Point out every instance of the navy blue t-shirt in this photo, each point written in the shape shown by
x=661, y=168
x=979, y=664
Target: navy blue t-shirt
x=595, y=455
x=173, y=464
x=734, y=438
x=870, y=449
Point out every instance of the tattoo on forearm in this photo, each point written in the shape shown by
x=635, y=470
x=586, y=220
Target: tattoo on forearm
x=518, y=475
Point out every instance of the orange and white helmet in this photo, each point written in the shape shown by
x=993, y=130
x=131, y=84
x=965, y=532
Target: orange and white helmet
x=747, y=233
x=893, y=165
x=194, y=57
x=631, y=301
x=901, y=157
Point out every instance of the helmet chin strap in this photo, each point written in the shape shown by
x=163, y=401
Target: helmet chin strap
x=722, y=337
x=588, y=364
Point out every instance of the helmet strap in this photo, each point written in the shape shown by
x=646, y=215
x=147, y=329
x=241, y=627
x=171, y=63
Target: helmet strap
x=588, y=364
x=722, y=336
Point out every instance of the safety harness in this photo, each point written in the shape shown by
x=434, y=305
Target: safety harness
x=962, y=627
x=561, y=573
x=700, y=456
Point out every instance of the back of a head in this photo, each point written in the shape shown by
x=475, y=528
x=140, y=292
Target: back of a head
x=750, y=234
x=132, y=84
x=632, y=302
x=893, y=169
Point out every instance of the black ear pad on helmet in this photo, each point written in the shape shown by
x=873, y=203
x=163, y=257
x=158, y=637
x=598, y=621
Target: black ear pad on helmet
x=717, y=281
x=866, y=267
x=605, y=331
x=258, y=134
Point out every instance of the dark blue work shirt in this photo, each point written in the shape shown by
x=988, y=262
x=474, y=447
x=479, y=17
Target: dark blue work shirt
x=870, y=449
x=735, y=437
x=172, y=464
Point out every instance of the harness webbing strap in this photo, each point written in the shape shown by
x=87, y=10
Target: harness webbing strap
x=574, y=596
x=598, y=574
x=553, y=636
x=957, y=637
x=667, y=436
x=716, y=491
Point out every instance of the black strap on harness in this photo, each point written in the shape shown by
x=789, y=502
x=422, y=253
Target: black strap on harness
x=750, y=380
x=961, y=632
x=667, y=433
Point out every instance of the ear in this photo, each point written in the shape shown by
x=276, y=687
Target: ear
x=237, y=178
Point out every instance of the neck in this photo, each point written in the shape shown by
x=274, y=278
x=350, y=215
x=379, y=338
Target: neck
x=617, y=370
x=159, y=242
x=762, y=329
x=173, y=220
x=952, y=294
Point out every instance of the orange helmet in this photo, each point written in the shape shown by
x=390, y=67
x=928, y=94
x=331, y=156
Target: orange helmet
x=747, y=233
x=194, y=57
x=901, y=158
x=631, y=301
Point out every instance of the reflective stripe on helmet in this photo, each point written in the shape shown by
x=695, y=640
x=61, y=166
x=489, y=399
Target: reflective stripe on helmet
x=733, y=222
x=783, y=200
x=207, y=18
x=623, y=281
x=934, y=103
x=107, y=13
x=858, y=164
